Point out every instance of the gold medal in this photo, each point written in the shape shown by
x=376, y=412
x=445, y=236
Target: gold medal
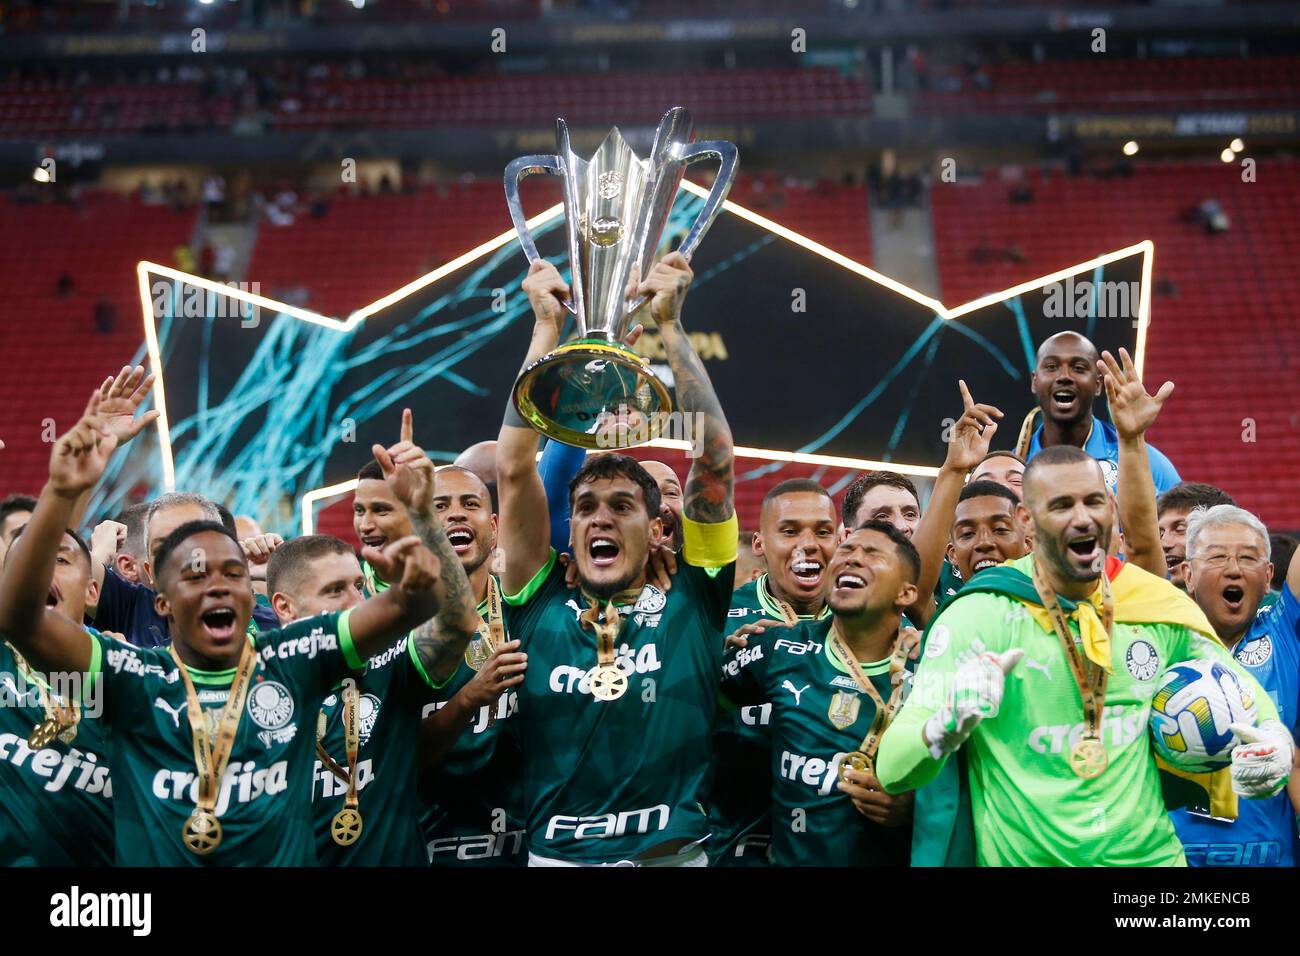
x=43, y=734
x=202, y=832
x=68, y=734
x=608, y=683
x=856, y=760
x=476, y=654
x=1088, y=758
x=345, y=828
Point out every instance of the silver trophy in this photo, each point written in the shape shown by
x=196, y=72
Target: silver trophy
x=615, y=208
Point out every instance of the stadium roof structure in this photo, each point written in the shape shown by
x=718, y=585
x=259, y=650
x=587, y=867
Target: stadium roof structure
x=311, y=499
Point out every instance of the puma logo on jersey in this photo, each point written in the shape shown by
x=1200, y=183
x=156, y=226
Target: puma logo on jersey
x=175, y=712
x=1037, y=665
x=786, y=685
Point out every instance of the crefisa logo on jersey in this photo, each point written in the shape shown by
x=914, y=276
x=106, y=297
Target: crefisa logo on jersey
x=1256, y=652
x=1142, y=660
x=270, y=706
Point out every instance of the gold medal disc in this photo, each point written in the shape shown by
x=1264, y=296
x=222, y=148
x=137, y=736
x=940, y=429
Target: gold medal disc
x=608, y=683
x=856, y=760
x=43, y=734
x=202, y=832
x=345, y=828
x=1088, y=758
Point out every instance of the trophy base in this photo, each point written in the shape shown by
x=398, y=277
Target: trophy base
x=591, y=393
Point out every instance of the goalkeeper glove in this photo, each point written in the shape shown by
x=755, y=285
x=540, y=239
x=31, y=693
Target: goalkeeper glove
x=1261, y=763
x=976, y=695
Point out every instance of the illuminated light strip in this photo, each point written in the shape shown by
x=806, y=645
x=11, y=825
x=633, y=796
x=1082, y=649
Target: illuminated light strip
x=805, y=458
x=145, y=268
x=1146, y=247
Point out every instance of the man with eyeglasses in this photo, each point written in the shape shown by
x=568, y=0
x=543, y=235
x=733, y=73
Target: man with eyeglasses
x=1228, y=571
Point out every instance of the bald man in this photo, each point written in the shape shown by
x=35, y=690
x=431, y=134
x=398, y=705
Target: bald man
x=1066, y=382
x=670, y=500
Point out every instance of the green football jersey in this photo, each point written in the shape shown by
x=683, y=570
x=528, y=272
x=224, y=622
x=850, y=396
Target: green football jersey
x=606, y=781
x=392, y=692
x=264, y=802
x=475, y=809
x=798, y=673
x=740, y=801
x=1029, y=807
x=56, y=804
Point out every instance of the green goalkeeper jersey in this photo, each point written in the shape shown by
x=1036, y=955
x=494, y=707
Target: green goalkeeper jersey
x=264, y=798
x=56, y=803
x=740, y=801
x=391, y=694
x=475, y=810
x=606, y=781
x=1029, y=807
x=813, y=823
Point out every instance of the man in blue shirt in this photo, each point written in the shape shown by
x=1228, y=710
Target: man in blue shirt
x=1228, y=573
x=1066, y=381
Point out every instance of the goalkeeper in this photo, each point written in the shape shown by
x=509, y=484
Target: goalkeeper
x=1045, y=668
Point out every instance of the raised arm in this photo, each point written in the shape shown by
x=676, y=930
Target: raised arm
x=1132, y=412
x=969, y=443
x=440, y=640
x=710, y=486
x=524, y=526
x=50, y=641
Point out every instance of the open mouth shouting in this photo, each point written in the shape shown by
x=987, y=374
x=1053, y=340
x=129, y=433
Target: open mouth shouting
x=53, y=597
x=1173, y=559
x=374, y=541
x=603, y=551
x=218, y=624
x=848, y=581
x=461, y=540
x=1086, y=550
x=1234, y=597
x=807, y=573
x=1064, y=399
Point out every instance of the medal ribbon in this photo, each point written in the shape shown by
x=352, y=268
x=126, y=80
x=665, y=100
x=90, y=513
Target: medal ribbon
x=885, y=710
x=605, y=623
x=60, y=715
x=211, y=764
x=352, y=743
x=495, y=634
x=1091, y=677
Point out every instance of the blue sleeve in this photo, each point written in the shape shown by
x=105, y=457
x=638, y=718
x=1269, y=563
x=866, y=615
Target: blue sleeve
x=1163, y=472
x=117, y=602
x=558, y=464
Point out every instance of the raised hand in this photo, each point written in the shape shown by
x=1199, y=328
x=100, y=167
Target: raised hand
x=547, y=292
x=120, y=397
x=1132, y=410
x=407, y=469
x=667, y=285
x=81, y=455
x=972, y=433
x=739, y=637
x=976, y=695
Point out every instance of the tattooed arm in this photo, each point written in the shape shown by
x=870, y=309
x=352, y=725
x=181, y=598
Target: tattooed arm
x=441, y=639
x=440, y=642
x=710, y=486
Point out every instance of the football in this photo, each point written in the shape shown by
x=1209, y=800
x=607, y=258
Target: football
x=1191, y=711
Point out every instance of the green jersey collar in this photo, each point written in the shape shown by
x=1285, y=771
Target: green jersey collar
x=768, y=602
x=872, y=669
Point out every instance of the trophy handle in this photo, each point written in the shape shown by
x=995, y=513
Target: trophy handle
x=516, y=170
x=727, y=155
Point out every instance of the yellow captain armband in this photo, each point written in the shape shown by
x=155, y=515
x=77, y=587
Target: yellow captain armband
x=710, y=545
